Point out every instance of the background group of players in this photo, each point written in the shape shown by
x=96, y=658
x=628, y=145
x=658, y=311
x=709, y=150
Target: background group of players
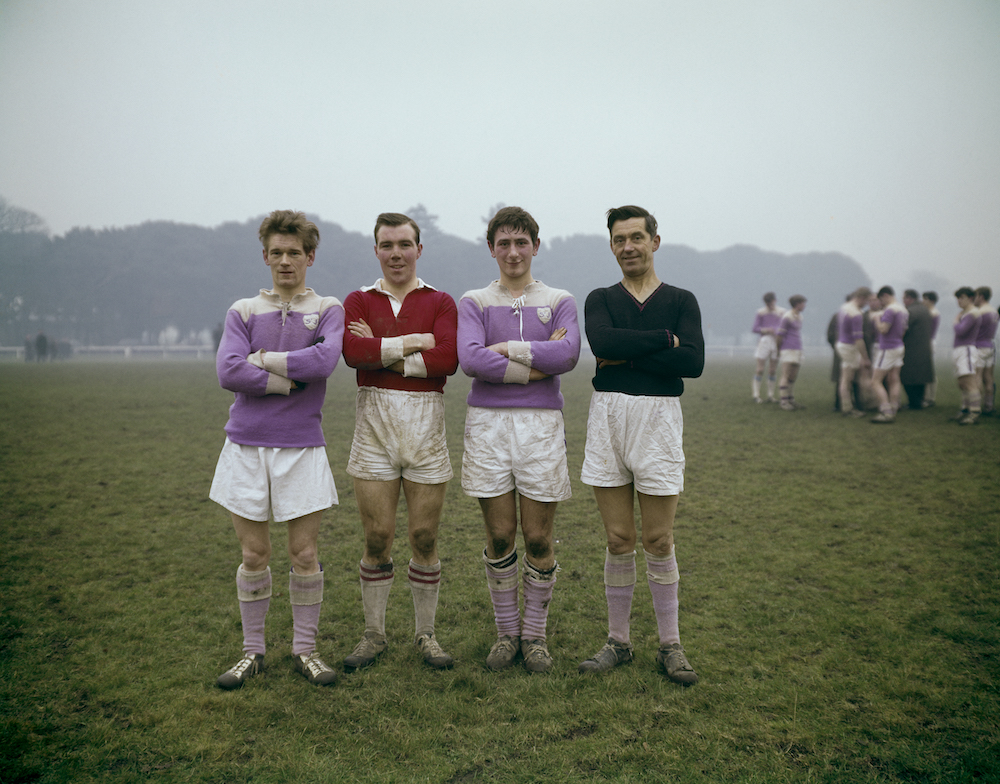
x=882, y=347
x=515, y=337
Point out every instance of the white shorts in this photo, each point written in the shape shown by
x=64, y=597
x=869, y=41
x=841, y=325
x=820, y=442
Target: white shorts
x=964, y=358
x=635, y=439
x=888, y=358
x=850, y=356
x=791, y=356
x=987, y=357
x=398, y=433
x=767, y=347
x=281, y=483
x=515, y=448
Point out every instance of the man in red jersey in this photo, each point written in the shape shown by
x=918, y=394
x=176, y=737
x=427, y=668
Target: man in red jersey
x=401, y=338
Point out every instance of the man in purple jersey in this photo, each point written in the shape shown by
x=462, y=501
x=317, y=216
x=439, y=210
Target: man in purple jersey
x=646, y=337
x=515, y=338
x=276, y=353
x=852, y=351
x=984, y=342
x=965, y=355
x=789, y=338
x=765, y=324
x=930, y=299
x=888, y=358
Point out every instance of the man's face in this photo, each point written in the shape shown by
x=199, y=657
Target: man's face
x=964, y=301
x=927, y=303
x=397, y=250
x=288, y=262
x=908, y=300
x=513, y=251
x=633, y=247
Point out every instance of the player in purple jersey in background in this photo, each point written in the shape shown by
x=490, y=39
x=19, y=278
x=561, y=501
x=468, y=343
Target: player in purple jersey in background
x=930, y=299
x=852, y=351
x=765, y=324
x=515, y=338
x=888, y=358
x=789, y=337
x=276, y=353
x=965, y=355
x=985, y=344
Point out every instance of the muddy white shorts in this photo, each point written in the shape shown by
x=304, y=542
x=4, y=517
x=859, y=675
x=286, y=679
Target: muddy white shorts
x=264, y=483
x=635, y=439
x=791, y=356
x=767, y=347
x=515, y=448
x=888, y=358
x=987, y=357
x=964, y=358
x=850, y=356
x=399, y=433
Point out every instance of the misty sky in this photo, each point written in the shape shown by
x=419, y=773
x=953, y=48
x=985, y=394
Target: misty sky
x=869, y=127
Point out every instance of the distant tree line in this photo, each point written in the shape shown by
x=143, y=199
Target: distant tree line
x=139, y=283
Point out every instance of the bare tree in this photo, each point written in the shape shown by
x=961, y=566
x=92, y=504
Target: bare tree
x=17, y=220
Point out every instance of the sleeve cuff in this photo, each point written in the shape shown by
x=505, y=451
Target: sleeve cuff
x=520, y=352
x=516, y=373
x=392, y=351
x=276, y=362
x=414, y=366
x=278, y=385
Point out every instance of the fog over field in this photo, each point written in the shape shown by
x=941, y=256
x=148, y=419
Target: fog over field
x=794, y=126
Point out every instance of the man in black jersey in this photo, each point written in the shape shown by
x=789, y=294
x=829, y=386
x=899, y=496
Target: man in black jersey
x=646, y=337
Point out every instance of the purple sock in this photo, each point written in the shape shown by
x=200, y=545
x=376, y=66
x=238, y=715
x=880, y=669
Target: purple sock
x=538, y=587
x=619, y=587
x=663, y=578
x=501, y=578
x=306, y=595
x=253, y=589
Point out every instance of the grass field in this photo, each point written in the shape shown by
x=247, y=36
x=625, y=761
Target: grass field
x=839, y=599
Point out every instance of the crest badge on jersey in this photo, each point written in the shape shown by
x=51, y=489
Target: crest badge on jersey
x=544, y=315
x=310, y=320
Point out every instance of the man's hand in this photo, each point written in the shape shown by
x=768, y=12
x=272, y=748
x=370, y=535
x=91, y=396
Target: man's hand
x=360, y=329
x=608, y=362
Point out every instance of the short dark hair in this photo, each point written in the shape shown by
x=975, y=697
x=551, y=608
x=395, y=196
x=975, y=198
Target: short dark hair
x=769, y=297
x=985, y=292
x=395, y=219
x=616, y=214
x=795, y=299
x=887, y=290
x=515, y=219
x=292, y=223
x=911, y=294
x=931, y=295
x=965, y=291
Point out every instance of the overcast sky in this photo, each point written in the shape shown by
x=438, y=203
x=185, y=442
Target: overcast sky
x=869, y=127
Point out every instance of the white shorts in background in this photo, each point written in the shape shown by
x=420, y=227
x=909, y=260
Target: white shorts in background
x=792, y=356
x=281, y=483
x=986, y=357
x=635, y=439
x=850, y=356
x=888, y=358
x=964, y=358
x=515, y=448
x=399, y=433
x=767, y=348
